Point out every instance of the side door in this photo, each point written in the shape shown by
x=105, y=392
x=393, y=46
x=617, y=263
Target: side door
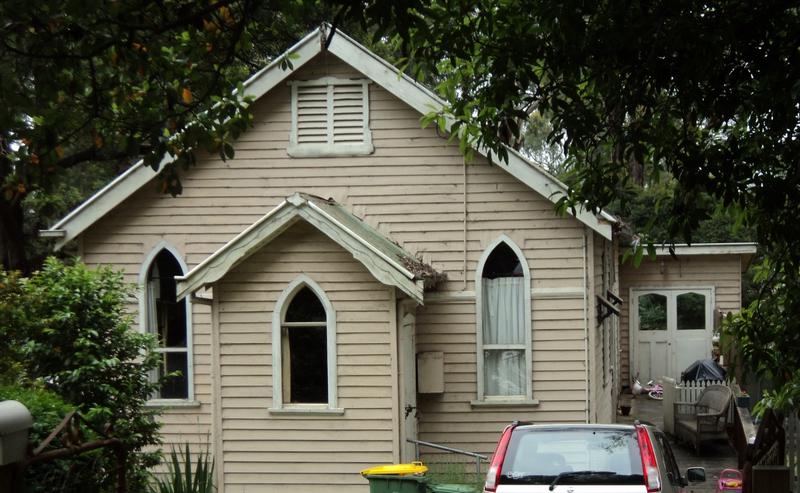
x=650, y=336
x=671, y=328
x=693, y=326
x=409, y=427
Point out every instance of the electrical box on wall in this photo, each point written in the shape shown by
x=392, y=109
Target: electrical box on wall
x=430, y=372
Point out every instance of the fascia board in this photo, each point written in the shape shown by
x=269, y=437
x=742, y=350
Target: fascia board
x=104, y=200
x=396, y=265
x=549, y=187
x=386, y=75
x=237, y=250
x=711, y=249
x=270, y=76
x=384, y=270
x=139, y=175
x=380, y=71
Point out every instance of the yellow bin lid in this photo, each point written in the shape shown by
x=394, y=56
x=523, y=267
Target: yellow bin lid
x=415, y=467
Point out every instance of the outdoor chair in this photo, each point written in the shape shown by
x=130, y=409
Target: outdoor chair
x=704, y=419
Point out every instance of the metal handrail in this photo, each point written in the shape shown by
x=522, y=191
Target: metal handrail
x=478, y=457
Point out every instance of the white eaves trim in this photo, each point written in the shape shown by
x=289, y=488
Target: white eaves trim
x=396, y=265
x=269, y=227
x=378, y=70
x=746, y=251
x=710, y=249
x=102, y=202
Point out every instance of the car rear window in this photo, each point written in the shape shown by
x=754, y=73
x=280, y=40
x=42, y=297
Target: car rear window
x=598, y=456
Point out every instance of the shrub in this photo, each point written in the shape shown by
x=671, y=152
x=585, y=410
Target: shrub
x=181, y=477
x=70, y=332
x=48, y=410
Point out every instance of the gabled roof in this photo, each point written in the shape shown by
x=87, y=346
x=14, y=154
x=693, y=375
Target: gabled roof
x=389, y=263
x=378, y=70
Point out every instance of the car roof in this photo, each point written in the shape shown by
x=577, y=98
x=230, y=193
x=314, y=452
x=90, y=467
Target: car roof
x=577, y=426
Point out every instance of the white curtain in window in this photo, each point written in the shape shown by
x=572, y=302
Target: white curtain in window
x=504, y=335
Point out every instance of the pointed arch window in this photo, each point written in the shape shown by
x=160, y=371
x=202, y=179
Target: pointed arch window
x=168, y=319
x=304, y=349
x=504, y=323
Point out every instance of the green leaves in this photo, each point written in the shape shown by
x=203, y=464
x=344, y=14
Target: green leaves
x=68, y=326
x=186, y=473
x=113, y=83
x=705, y=94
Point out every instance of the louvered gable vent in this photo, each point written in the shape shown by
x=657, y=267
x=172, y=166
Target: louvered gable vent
x=330, y=117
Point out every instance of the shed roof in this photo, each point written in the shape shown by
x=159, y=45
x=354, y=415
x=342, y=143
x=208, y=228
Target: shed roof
x=745, y=250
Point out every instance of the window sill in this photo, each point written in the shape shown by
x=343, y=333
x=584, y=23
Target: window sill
x=305, y=411
x=330, y=150
x=171, y=403
x=505, y=403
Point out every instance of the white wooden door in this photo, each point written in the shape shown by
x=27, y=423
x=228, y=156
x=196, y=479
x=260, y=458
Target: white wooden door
x=671, y=328
x=694, y=327
x=408, y=382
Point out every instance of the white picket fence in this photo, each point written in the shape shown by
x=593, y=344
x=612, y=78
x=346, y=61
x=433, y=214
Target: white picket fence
x=685, y=392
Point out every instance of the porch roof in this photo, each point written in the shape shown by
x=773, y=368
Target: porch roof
x=389, y=263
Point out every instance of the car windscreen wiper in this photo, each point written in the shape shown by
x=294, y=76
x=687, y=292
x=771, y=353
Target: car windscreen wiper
x=579, y=473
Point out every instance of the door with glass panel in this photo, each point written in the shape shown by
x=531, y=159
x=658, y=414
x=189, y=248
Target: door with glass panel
x=671, y=328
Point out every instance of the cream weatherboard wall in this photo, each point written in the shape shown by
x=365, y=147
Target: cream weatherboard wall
x=267, y=449
x=414, y=189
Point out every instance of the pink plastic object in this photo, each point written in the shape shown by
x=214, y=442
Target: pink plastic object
x=729, y=480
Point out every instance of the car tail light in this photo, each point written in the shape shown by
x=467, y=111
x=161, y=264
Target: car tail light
x=652, y=478
x=496, y=466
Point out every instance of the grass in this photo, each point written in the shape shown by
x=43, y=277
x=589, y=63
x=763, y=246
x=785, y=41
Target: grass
x=455, y=469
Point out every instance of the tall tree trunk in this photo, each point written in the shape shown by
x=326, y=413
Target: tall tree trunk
x=636, y=171
x=12, y=236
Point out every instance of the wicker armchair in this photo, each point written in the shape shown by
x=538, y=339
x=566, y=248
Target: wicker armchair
x=704, y=419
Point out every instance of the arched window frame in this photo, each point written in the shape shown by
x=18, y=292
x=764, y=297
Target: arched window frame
x=278, y=316
x=147, y=308
x=482, y=397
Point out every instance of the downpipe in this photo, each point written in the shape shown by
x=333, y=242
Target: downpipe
x=586, y=324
